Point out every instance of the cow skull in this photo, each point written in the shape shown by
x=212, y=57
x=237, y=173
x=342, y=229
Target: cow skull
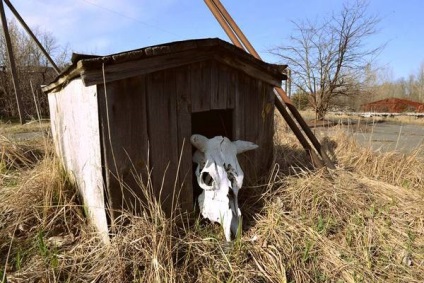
x=220, y=176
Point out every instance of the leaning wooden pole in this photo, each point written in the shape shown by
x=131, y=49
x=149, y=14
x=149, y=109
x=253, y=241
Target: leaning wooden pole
x=222, y=15
x=31, y=34
x=11, y=62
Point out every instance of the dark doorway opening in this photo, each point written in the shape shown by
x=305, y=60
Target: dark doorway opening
x=213, y=123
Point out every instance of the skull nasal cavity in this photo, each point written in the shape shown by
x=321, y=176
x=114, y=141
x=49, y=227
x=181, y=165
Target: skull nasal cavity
x=207, y=179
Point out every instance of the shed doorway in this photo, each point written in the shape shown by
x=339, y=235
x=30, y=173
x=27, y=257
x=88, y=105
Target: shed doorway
x=213, y=123
x=210, y=124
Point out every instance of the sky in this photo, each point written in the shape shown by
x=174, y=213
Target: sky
x=105, y=27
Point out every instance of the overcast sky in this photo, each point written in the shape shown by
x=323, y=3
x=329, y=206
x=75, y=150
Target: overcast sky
x=109, y=26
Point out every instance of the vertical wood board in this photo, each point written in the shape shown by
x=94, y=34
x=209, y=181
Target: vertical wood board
x=75, y=130
x=162, y=128
x=226, y=87
x=202, y=86
x=123, y=111
x=183, y=96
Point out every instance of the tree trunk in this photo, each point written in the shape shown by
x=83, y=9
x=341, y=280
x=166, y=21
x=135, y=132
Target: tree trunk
x=320, y=112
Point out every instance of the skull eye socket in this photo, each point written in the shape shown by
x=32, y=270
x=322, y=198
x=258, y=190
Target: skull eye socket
x=206, y=179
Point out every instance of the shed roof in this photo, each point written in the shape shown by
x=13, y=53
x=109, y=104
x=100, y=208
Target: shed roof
x=94, y=69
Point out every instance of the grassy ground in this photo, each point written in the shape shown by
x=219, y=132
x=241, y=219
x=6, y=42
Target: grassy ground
x=8, y=127
x=363, y=222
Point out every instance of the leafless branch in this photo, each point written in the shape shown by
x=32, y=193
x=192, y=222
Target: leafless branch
x=328, y=57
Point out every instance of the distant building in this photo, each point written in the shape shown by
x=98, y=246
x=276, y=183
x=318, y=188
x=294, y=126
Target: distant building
x=393, y=105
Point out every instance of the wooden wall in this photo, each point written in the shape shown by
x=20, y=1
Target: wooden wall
x=146, y=124
x=254, y=121
x=75, y=130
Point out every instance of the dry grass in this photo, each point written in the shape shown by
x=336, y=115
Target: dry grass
x=15, y=155
x=403, y=170
x=31, y=126
x=363, y=222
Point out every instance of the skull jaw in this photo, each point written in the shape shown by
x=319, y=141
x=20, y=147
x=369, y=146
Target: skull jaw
x=220, y=210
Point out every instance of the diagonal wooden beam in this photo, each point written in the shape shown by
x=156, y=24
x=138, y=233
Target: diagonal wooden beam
x=239, y=39
x=31, y=34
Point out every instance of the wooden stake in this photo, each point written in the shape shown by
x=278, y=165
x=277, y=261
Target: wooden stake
x=11, y=62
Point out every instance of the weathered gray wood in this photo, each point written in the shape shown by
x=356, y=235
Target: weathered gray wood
x=127, y=69
x=232, y=80
x=226, y=87
x=183, y=95
x=218, y=98
x=62, y=81
x=201, y=87
x=123, y=110
x=239, y=124
x=170, y=55
x=242, y=88
x=249, y=69
x=259, y=126
x=75, y=131
x=252, y=106
x=162, y=127
x=148, y=65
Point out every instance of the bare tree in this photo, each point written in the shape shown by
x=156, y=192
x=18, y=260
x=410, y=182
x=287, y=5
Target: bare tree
x=328, y=58
x=32, y=68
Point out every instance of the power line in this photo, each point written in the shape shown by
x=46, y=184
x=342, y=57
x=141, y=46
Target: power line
x=129, y=17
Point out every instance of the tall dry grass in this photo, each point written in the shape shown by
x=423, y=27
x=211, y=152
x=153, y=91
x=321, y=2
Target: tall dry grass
x=363, y=222
x=404, y=170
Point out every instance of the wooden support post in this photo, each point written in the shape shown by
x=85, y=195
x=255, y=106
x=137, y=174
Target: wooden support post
x=316, y=161
x=31, y=34
x=11, y=62
x=238, y=38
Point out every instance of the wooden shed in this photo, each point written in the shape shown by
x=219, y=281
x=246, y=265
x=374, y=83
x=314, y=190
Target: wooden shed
x=123, y=120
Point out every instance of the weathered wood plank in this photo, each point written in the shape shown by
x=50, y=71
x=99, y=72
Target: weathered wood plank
x=242, y=121
x=232, y=89
x=226, y=87
x=266, y=154
x=218, y=96
x=259, y=127
x=162, y=128
x=200, y=87
x=161, y=57
x=248, y=69
x=252, y=108
x=75, y=131
x=239, y=109
x=183, y=96
x=122, y=108
x=128, y=69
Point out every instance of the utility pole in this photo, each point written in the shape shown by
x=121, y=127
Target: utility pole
x=11, y=62
x=31, y=34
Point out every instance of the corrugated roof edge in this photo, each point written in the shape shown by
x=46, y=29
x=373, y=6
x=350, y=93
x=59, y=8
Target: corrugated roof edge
x=82, y=62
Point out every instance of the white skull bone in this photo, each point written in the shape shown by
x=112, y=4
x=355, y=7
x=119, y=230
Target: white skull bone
x=220, y=176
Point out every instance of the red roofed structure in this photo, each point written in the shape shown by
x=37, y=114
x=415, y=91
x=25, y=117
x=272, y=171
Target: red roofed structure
x=393, y=105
